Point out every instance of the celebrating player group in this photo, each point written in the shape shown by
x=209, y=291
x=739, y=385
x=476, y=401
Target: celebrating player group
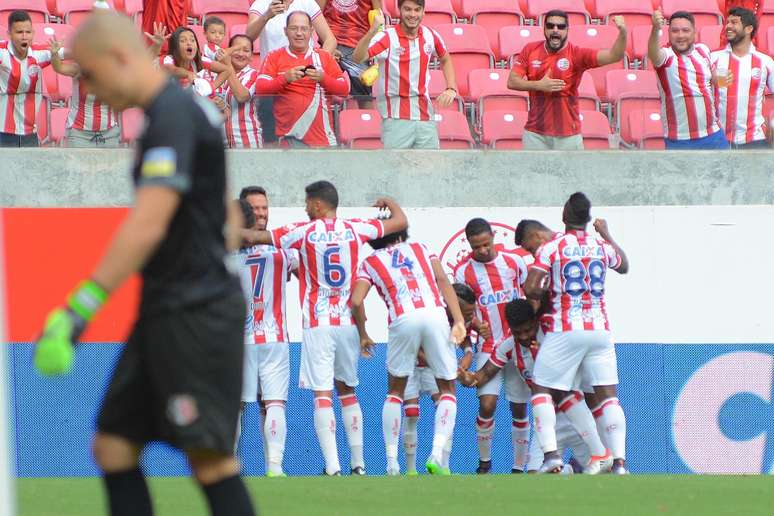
x=532, y=319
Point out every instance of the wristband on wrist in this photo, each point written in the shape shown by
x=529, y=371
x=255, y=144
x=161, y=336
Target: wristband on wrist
x=454, y=90
x=86, y=299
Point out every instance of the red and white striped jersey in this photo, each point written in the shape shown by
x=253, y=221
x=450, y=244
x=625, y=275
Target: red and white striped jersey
x=87, y=113
x=577, y=264
x=210, y=51
x=740, y=105
x=523, y=356
x=403, y=88
x=329, y=252
x=495, y=283
x=264, y=270
x=169, y=62
x=21, y=88
x=404, y=278
x=687, y=94
x=243, y=130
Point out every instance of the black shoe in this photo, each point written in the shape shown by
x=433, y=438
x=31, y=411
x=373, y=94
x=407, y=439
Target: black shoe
x=484, y=466
x=516, y=471
x=359, y=471
x=325, y=474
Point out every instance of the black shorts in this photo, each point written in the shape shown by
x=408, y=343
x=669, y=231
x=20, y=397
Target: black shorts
x=179, y=378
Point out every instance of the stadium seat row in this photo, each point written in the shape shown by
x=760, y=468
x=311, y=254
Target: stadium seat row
x=67, y=11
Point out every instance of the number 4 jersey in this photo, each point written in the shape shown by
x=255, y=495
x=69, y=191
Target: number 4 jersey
x=577, y=264
x=329, y=251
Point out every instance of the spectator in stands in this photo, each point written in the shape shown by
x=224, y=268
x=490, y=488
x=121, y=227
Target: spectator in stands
x=551, y=72
x=215, y=32
x=301, y=76
x=349, y=22
x=185, y=60
x=756, y=6
x=685, y=81
x=243, y=130
x=21, y=83
x=267, y=21
x=742, y=75
x=403, y=98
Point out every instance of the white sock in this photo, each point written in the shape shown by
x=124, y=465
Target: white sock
x=597, y=413
x=520, y=441
x=545, y=421
x=391, y=416
x=445, y=417
x=410, y=420
x=580, y=418
x=447, y=452
x=325, y=426
x=238, y=432
x=265, y=445
x=274, y=433
x=352, y=417
x=484, y=430
x=614, y=421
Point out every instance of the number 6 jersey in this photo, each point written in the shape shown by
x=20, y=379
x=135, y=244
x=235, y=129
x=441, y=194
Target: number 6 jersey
x=577, y=264
x=329, y=252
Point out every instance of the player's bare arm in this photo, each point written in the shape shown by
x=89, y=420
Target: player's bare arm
x=458, y=332
x=359, y=293
x=397, y=221
x=256, y=237
x=481, y=327
x=234, y=221
x=617, y=51
x=486, y=373
x=534, y=286
x=467, y=354
x=600, y=225
x=360, y=54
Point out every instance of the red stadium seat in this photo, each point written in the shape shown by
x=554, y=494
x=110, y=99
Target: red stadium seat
x=438, y=86
x=710, y=35
x=636, y=13
x=513, y=39
x=639, y=43
x=575, y=9
x=489, y=91
x=765, y=23
x=64, y=87
x=632, y=90
x=597, y=37
x=595, y=129
x=436, y=11
x=588, y=98
x=62, y=32
x=51, y=85
x=37, y=9
x=645, y=130
x=453, y=130
x=41, y=121
x=201, y=38
x=131, y=124
x=233, y=12
x=705, y=12
x=76, y=11
x=360, y=129
x=241, y=29
x=493, y=15
x=469, y=49
x=58, y=119
x=503, y=129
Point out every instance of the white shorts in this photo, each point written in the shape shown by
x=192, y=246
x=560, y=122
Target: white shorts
x=421, y=381
x=516, y=389
x=329, y=352
x=567, y=359
x=426, y=328
x=566, y=439
x=266, y=372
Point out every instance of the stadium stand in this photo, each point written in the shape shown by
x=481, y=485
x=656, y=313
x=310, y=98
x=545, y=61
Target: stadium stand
x=62, y=32
x=644, y=130
x=512, y=40
x=597, y=37
x=705, y=12
x=629, y=90
x=493, y=15
x=37, y=9
x=453, y=130
x=360, y=129
x=233, y=12
x=436, y=11
x=588, y=98
x=489, y=91
x=469, y=49
x=710, y=35
x=58, y=120
x=74, y=12
x=639, y=45
x=595, y=129
x=131, y=124
x=636, y=13
x=502, y=129
x=437, y=86
x=576, y=10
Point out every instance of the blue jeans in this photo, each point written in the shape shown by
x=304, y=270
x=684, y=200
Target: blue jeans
x=18, y=140
x=715, y=141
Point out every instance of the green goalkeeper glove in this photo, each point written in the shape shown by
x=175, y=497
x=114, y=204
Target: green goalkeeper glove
x=55, y=350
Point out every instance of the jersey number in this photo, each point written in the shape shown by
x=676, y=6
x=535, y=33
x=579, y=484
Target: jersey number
x=579, y=279
x=335, y=273
x=258, y=282
x=399, y=261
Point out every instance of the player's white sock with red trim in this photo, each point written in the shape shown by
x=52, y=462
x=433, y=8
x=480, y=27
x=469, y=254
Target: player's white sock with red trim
x=484, y=430
x=353, y=425
x=581, y=419
x=520, y=441
x=445, y=417
x=545, y=421
x=391, y=416
x=614, y=420
x=600, y=424
x=274, y=432
x=325, y=426
x=410, y=420
x=447, y=449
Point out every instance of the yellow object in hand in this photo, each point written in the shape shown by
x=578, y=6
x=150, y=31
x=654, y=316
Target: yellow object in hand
x=368, y=78
x=371, y=15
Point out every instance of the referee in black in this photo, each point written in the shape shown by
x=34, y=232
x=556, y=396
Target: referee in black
x=179, y=378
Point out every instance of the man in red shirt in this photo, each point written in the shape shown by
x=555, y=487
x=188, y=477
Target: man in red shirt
x=301, y=77
x=551, y=72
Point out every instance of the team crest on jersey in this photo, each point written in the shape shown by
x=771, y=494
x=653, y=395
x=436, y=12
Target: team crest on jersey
x=563, y=64
x=33, y=70
x=345, y=6
x=428, y=48
x=399, y=51
x=756, y=73
x=457, y=247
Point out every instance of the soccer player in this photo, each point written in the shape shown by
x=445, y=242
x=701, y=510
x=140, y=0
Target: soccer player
x=496, y=277
x=414, y=286
x=531, y=234
x=215, y=32
x=742, y=76
x=551, y=72
x=178, y=379
x=572, y=269
x=258, y=200
x=684, y=72
x=329, y=249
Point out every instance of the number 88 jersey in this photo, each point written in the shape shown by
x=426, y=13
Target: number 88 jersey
x=577, y=264
x=329, y=253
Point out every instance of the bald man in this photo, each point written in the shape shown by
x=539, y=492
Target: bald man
x=178, y=379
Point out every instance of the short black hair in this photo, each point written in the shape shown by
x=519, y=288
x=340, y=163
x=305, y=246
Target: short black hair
x=213, y=20
x=519, y=311
x=252, y=190
x=464, y=293
x=747, y=16
x=525, y=226
x=476, y=227
x=323, y=191
x=684, y=15
x=578, y=209
x=420, y=3
x=388, y=240
x=18, y=16
x=287, y=20
x=557, y=13
x=237, y=36
x=247, y=212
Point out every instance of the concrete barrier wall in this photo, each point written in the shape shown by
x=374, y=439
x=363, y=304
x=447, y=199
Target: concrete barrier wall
x=70, y=177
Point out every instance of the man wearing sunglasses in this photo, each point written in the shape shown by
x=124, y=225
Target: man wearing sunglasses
x=551, y=72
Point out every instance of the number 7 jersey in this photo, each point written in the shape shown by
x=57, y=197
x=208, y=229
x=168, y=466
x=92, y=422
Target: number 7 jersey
x=329, y=252
x=577, y=264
